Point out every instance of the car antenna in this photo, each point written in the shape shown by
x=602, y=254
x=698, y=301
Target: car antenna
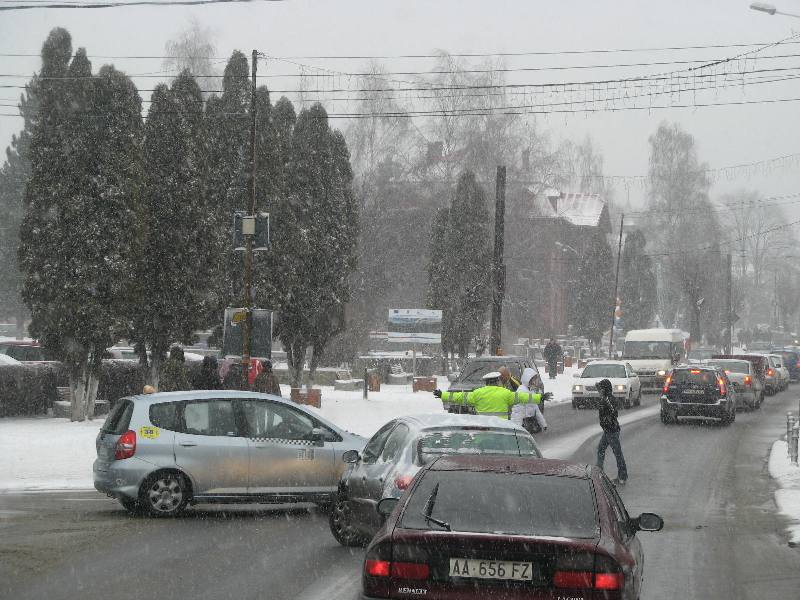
x=429, y=509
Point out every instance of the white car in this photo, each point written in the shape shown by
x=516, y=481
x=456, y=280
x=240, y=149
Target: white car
x=776, y=360
x=627, y=386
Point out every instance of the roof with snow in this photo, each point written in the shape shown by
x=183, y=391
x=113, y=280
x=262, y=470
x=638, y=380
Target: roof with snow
x=582, y=210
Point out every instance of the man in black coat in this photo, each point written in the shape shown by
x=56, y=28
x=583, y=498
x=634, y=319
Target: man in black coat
x=552, y=354
x=611, y=430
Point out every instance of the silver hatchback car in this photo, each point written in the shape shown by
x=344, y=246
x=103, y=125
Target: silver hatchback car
x=157, y=453
x=402, y=447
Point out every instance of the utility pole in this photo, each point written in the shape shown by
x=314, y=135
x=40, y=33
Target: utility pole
x=729, y=302
x=616, y=287
x=249, y=230
x=499, y=269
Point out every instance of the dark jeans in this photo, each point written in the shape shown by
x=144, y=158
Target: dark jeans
x=611, y=438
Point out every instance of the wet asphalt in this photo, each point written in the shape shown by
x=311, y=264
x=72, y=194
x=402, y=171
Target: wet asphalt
x=722, y=539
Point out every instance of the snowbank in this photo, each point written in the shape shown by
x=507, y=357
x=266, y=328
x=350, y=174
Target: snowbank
x=45, y=453
x=787, y=498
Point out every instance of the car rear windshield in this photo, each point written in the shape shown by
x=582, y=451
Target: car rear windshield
x=695, y=376
x=119, y=419
x=611, y=371
x=738, y=366
x=504, y=503
x=473, y=372
x=461, y=441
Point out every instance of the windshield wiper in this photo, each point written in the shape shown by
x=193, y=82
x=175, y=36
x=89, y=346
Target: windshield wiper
x=429, y=509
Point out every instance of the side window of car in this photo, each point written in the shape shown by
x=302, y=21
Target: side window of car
x=289, y=424
x=374, y=447
x=618, y=509
x=527, y=447
x=165, y=416
x=210, y=417
x=395, y=443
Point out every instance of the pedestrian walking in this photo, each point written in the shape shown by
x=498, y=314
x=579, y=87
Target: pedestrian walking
x=266, y=381
x=552, y=354
x=611, y=431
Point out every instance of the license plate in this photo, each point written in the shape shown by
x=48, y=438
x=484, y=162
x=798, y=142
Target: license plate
x=693, y=392
x=491, y=569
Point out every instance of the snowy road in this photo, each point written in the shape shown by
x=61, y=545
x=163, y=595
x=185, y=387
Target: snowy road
x=722, y=538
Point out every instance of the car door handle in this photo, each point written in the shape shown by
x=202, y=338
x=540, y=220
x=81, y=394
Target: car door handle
x=188, y=444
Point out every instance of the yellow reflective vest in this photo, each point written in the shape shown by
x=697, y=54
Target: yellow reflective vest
x=492, y=400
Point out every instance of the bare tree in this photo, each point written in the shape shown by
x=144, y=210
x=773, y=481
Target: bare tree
x=193, y=49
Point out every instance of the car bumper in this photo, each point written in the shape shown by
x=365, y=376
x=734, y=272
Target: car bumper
x=716, y=410
x=120, y=479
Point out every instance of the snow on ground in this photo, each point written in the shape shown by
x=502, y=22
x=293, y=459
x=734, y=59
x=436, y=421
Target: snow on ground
x=787, y=497
x=39, y=453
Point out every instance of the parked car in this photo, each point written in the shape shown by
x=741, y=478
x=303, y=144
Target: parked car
x=491, y=527
x=782, y=371
x=402, y=447
x=627, y=387
x=23, y=350
x=698, y=391
x=158, y=453
x=741, y=373
x=791, y=360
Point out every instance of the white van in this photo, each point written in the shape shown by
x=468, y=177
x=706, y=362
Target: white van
x=652, y=353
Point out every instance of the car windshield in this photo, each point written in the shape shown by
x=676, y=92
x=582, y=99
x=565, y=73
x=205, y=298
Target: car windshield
x=647, y=350
x=695, y=376
x=461, y=441
x=732, y=366
x=513, y=503
x=610, y=371
x=473, y=372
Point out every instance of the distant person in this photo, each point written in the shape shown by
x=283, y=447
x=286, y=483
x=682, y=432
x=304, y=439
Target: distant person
x=266, y=381
x=528, y=415
x=611, y=430
x=175, y=374
x=208, y=378
x=233, y=377
x=552, y=354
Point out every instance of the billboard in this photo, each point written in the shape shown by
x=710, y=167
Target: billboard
x=260, y=336
x=415, y=326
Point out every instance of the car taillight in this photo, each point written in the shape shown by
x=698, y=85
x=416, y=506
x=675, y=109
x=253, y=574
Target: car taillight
x=402, y=482
x=125, y=446
x=798, y=364
x=721, y=387
x=397, y=570
x=588, y=580
x=748, y=380
x=770, y=372
x=667, y=383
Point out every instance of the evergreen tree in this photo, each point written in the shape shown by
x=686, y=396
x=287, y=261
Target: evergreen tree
x=78, y=229
x=594, y=290
x=460, y=261
x=315, y=236
x=638, y=283
x=173, y=262
x=14, y=176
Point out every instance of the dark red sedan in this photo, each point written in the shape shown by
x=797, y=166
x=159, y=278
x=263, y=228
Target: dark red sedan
x=507, y=528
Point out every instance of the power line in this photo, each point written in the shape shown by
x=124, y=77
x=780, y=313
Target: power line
x=80, y=5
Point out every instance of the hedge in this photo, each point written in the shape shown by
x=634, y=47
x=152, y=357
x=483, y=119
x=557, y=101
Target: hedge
x=30, y=388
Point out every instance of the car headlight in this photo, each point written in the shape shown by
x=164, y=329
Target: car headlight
x=620, y=388
x=661, y=373
x=577, y=388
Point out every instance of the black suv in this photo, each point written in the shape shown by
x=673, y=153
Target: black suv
x=698, y=391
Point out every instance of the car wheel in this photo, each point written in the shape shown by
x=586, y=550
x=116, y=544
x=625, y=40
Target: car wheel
x=627, y=403
x=340, y=523
x=574, y=404
x=667, y=418
x=164, y=494
x=132, y=506
x=638, y=401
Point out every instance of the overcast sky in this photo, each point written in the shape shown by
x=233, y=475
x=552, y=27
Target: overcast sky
x=727, y=135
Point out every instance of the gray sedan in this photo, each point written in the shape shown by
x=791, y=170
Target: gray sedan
x=159, y=452
x=402, y=447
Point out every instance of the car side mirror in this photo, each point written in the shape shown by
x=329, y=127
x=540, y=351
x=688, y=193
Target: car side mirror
x=648, y=522
x=351, y=457
x=386, y=506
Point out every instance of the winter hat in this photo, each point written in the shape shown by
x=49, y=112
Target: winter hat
x=604, y=385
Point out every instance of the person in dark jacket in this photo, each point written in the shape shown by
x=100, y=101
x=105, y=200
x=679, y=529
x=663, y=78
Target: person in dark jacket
x=208, y=378
x=552, y=354
x=175, y=374
x=266, y=381
x=611, y=430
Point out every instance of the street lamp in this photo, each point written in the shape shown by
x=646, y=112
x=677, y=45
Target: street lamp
x=770, y=9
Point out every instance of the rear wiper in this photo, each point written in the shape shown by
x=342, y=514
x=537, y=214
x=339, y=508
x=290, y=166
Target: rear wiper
x=429, y=509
